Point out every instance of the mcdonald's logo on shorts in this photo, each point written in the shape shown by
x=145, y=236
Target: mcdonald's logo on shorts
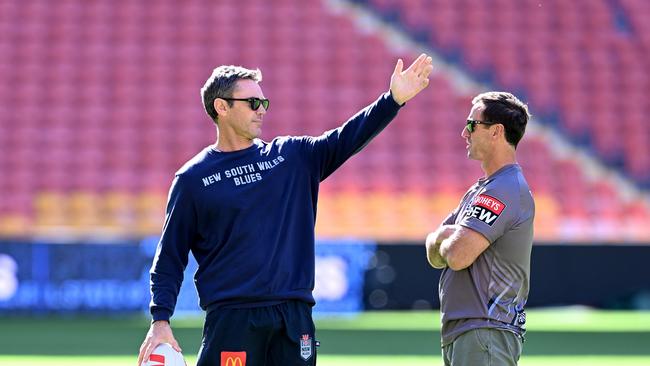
x=233, y=358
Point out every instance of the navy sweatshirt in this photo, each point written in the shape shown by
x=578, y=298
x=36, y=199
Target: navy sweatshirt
x=248, y=217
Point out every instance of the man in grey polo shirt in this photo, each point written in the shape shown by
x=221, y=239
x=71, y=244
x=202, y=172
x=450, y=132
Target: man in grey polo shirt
x=484, y=245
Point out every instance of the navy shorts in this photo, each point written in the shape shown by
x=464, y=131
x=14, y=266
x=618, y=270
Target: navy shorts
x=276, y=335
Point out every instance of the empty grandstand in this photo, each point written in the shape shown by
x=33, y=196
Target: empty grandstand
x=100, y=105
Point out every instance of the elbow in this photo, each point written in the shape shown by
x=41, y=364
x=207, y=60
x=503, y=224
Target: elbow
x=430, y=245
x=433, y=254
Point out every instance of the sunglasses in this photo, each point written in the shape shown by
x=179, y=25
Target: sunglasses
x=254, y=103
x=471, y=124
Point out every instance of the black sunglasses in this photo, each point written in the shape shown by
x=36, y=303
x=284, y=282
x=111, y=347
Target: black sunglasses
x=253, y=102
x=471, y=124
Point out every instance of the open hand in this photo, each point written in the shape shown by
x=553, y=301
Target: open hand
x=406, y=84
x=159, y=332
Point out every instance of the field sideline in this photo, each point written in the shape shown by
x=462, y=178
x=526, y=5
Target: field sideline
x=556, y=336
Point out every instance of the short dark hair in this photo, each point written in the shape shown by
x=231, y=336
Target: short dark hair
x=506, y=109
x=221, y=84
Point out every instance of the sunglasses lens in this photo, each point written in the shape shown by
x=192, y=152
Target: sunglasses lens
x=255, y=103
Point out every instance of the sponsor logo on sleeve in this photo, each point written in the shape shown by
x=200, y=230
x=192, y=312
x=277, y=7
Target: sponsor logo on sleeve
x=305, y=347
x=233, y=358
x=485, y=208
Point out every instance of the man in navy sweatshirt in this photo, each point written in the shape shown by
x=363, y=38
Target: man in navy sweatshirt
x=246, y=209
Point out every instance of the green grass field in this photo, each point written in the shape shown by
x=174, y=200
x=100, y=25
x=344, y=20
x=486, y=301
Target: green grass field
x=555, y=337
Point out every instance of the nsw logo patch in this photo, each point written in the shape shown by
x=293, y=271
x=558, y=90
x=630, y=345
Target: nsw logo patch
x=485, y=208
x=305, y=347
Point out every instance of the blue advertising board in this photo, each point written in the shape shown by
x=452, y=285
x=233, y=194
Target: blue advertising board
x=114, y=277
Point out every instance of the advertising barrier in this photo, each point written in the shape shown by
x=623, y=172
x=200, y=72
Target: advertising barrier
x=350, y=276
x=114, y=277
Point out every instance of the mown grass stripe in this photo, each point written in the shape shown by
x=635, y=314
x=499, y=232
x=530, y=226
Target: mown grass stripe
x=566, y=320
x=335, y=360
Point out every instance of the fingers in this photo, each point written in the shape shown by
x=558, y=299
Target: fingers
x=404, y=85
x=149, y=346
x=149, y=350
x=425, y=82
x=145, y=351
x=421, y=66
x=159, y=332
x=175, y=345
x=417, y=64
x=398, y=67
x=426, y=69
x=140, y=355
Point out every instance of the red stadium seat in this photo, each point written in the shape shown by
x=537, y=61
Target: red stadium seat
x=111, y=92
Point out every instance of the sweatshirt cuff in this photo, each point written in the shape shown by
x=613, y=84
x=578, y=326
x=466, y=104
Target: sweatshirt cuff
x=389, y=95
x=160, y=315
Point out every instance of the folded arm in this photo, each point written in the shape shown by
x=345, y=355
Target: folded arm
x=461, y=248
x=454, y=246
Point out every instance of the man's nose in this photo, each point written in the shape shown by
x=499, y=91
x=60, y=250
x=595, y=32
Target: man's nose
x=464, y=133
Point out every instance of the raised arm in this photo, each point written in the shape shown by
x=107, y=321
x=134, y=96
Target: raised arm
x=330, y=150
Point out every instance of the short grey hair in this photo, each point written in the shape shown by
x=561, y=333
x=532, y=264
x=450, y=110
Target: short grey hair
x=221, y=84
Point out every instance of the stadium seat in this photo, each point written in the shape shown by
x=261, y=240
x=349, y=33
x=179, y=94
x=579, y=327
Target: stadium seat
x=98, y=117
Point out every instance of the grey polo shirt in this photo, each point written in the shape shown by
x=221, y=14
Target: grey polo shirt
x=492, y=292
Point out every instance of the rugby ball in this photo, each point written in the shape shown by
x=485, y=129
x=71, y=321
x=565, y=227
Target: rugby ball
x=164, y=355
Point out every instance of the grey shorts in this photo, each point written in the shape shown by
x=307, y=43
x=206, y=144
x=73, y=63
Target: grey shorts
x=485, y=347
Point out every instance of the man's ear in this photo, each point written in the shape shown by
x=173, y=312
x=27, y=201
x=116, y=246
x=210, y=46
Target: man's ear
x=499, y=129
x=221, y=106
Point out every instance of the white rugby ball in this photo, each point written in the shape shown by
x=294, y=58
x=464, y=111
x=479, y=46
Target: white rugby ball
x=164, y=355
